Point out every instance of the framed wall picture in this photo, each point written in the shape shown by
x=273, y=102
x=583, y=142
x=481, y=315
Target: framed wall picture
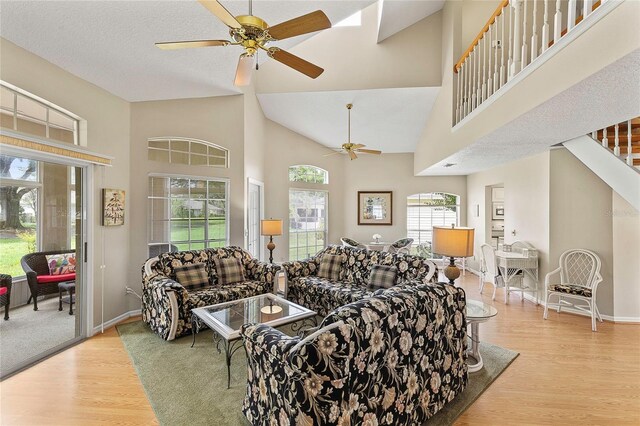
x=375, y=208
x=112, y=207
x=498, y=211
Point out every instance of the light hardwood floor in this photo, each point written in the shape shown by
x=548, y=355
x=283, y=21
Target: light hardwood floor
x=565, y=374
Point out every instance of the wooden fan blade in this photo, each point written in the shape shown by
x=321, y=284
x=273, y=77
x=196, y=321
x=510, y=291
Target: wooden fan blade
x=370, y=151
x=333, y=153
x=311, y=22
x=223, y=14
x=352, y=155
x=172, y=45
x=358, y=146
x=295, y=62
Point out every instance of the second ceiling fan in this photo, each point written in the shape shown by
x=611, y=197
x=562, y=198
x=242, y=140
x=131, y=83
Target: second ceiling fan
x=253, y=34
x=353, y=148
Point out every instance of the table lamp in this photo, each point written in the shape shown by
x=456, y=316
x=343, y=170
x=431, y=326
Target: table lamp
x=452, y=242
x=270, y=228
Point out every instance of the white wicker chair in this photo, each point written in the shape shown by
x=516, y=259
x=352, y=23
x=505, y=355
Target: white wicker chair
x=401, y=246
x=579, y=278
x=489, y=268
x=348, y=242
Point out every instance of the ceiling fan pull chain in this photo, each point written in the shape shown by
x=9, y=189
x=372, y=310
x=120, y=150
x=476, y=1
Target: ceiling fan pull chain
x=257, y=57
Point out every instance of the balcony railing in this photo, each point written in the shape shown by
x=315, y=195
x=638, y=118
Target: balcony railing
x=517, y=33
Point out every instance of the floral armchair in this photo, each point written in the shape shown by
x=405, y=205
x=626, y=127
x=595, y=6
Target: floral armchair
x=166, y=304
x=395, y=358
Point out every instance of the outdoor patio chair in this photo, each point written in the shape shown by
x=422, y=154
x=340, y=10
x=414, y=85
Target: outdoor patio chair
x=39, y=278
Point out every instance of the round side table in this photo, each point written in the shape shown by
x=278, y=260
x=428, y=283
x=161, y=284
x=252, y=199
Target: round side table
x=477, y=312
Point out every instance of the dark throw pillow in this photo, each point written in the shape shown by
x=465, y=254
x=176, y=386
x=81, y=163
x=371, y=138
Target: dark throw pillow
x=192, y=276
x=330, y=267
x=229, y=270
x=382, y=276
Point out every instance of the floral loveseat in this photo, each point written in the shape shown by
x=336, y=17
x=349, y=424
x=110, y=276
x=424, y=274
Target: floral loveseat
x=395, y=358
x=323, y=295
x=166, y=304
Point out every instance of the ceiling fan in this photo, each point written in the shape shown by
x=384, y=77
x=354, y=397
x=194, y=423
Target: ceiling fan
x=353, y=148
x=253, y=34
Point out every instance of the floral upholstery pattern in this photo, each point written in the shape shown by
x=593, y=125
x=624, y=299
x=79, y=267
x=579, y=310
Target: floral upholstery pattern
x=578, y=290
x=159, y=281
x=395, y=358
x=323, y=295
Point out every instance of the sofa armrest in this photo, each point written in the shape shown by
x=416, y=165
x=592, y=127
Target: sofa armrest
x=257, y=270
x=300, y=268
x=164, y=303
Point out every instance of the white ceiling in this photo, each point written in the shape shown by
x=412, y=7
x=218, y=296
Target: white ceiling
x=111, y=43
x=396, y=15
x=574, y=112
x=391, y=120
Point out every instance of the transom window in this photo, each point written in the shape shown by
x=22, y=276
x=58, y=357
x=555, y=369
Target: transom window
x=188, y=213
x=187, y=151
x=308, y=174
x=424, y=211
x=28, y=115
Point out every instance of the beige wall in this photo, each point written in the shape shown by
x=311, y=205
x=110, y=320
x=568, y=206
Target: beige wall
x=218, y=120
x=391, y=172
x=352, y=59
x=107, y=119
x=626, y=267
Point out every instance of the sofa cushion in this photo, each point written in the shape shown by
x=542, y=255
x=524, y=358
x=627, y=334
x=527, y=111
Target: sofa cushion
x=3, y=291
x=63, y=263
x=578, y=290
x=330, y=267
x=192, y=276
x=382, y=277
x=324, y=295
x=225, y=293
x=45, y=279
x=229, y=270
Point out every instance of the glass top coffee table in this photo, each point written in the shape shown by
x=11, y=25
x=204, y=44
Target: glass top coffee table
x=477, y=312
x=226, y=319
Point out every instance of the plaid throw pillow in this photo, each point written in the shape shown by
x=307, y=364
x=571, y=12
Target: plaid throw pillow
x=382, y=276
x=229, y=270
x=330, y=267
x=192, y=276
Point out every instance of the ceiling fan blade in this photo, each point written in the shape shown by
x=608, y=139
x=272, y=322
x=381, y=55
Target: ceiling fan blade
x=333, y=153
x=223, y=14
x=172, y=45
x=357, y=146
x=295, y=62
x=309, y=23
x=244, y=71
x=370, y=151
x=352, y=155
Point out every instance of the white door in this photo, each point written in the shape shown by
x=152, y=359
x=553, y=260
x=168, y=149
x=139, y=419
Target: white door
x=254, y=215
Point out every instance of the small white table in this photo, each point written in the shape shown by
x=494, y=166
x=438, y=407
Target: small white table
x=511, y=264
x=380, y=246
x=477, y=312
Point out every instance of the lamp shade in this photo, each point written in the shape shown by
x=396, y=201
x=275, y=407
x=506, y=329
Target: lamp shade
x=453, y=242
x=271, y=227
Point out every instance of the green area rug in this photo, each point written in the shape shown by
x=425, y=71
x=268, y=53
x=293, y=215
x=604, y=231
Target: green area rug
x=187, y=386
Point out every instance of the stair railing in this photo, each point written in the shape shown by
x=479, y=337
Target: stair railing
x=492, y=60
x=627, y=131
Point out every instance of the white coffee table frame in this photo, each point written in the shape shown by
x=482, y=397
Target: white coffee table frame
x=477, y=312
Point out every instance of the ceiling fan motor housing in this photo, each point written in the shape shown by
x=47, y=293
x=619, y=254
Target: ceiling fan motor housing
x=253, y=33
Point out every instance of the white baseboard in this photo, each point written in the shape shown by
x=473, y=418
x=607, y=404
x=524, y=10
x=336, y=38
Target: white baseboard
x=584, y=314
x=98, y=328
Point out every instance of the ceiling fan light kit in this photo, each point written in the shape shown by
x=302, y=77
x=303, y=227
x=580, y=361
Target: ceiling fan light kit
x=253, y=34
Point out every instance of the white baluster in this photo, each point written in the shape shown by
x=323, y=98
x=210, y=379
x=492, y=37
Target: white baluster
x=594, y=135
x=503, y=51
x=629, y=151
x=516, y=65
x=465, y=71
x=587, y=7
x=479, y=72
x=456, y=119
x=545, y=27
x=571, y=15
x=525, y=47
x=534, y=32
x=605, y=141
x=496, y=73
x=616, y=148
x=557, y=23
x=483, y=90
x=490, y=52
x=473, y=74
x=510, y=61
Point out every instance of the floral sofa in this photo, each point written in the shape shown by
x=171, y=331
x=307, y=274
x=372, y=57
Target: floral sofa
x=323, y=295
x=166, y=304
x=395, y=358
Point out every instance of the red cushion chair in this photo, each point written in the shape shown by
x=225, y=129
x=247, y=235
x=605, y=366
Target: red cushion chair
x=5, y=293
x=40, y=280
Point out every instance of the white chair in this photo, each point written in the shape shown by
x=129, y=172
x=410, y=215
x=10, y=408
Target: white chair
x=579, y=278
x=401, y=246
x=489, y=268
x=348, y=242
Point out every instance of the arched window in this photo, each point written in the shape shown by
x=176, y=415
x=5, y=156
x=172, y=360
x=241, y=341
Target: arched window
x=424, y=211
x=309, y=174
x=187, y=151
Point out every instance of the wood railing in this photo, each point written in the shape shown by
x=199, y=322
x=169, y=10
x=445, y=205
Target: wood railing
x=517, y=33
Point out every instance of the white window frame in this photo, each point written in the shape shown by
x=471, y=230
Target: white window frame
x=326, y=221
x=422, y=228
x=189, y=152
x=325, y=172
x=206, y=241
